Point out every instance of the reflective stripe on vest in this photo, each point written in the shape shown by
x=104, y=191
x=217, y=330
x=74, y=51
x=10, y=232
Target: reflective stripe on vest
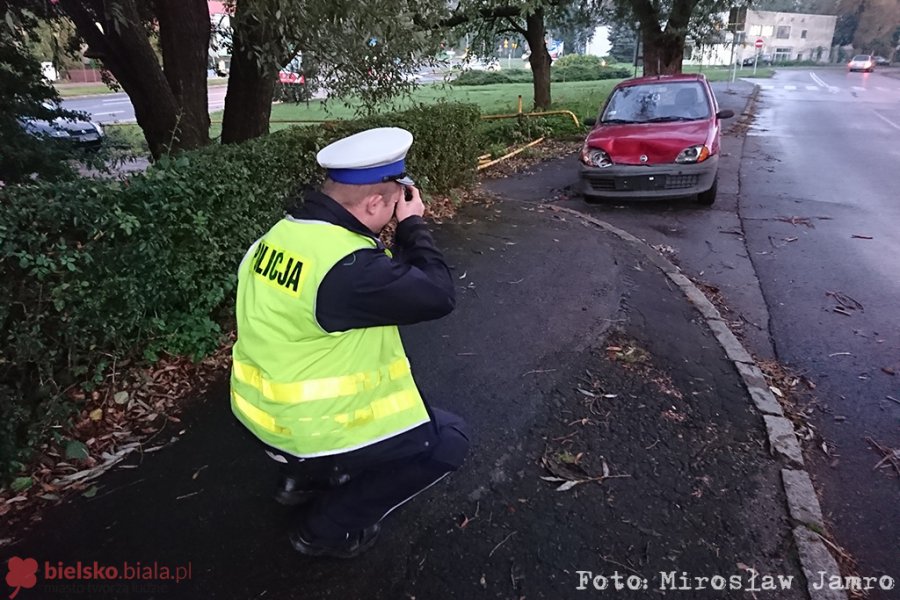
x=318, y=389
x=378, y=409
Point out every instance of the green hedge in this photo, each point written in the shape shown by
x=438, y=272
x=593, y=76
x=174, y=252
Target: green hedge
x=97, y=271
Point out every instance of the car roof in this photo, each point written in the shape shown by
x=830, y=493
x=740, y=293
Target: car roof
x=658, y=79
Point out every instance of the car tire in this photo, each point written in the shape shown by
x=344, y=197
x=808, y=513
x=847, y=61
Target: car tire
x=709, y=196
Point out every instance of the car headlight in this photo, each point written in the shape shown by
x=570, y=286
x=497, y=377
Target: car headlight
x=693, y=154
x=594, y=157
x=59, y=133
x=98, y=128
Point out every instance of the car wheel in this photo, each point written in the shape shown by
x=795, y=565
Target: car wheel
x=709, y=196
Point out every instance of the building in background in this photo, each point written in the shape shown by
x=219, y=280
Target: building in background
x=785, y=36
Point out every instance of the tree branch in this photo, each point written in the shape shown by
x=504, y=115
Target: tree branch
x=647, y=14
x=484, y=13
x=516, y=27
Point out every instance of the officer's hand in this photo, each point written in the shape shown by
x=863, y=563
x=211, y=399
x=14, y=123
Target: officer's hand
x=408, y=208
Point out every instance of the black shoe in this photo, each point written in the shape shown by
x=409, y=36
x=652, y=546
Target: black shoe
x=351, y=547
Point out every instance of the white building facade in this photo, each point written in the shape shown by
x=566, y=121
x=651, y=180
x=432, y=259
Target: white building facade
x=789, y=36
x=785, y=37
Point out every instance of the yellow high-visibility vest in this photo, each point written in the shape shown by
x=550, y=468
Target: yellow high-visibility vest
x=296, y=386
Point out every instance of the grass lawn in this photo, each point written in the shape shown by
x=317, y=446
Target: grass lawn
x=584, y=98
x=581, y=97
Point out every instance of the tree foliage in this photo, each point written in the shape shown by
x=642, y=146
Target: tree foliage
x=25, y=94
x=366, y=50
x=622, y=40
x=490, y=21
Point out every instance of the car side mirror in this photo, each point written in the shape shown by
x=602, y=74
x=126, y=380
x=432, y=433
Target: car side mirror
x=725, y=114
x=590, y=122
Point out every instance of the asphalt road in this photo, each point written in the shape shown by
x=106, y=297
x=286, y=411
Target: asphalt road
x=825, y=147
x=822, y=147
x=117, y=108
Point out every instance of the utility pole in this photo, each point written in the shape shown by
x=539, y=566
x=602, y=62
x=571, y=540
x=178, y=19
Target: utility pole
x=737, y=18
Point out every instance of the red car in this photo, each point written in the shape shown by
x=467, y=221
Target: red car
x=289, y=77
x=657, y=137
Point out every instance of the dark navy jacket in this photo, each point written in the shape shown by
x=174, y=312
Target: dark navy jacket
x=368, y=288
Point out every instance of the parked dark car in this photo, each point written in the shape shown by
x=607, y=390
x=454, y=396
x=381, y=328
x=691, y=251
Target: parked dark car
x=764, y=59
x=81, y=133
x=881, y=61
x=657, y=137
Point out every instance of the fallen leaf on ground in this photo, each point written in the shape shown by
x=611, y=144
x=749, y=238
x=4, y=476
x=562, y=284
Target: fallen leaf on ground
x=568, y=485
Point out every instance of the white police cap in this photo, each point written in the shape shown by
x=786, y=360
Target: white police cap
x=371, y=156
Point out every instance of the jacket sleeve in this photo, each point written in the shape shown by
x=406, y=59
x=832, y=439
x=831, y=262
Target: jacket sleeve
x=369, y=288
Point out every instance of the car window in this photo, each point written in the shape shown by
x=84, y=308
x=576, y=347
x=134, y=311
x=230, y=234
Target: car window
x=657, y=102
x=861, y=57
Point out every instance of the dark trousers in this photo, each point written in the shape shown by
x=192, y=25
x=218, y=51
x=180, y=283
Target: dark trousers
x=364, y=486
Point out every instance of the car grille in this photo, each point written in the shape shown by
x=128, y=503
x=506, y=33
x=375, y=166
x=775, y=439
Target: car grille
x=642, y=183
x=605, y=184
x=680, y=182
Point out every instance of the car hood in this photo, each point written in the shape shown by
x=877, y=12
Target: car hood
x=659, y=142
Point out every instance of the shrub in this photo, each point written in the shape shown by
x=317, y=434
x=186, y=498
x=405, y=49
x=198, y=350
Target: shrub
x=503, y=133
x=292, y=92
x=579, y=60
x=583, y=72
x=97, y=271
x=483, y=78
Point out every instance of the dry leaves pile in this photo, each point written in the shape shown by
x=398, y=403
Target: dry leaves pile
x=634, y=358
x=792, y=391
x=135, y=411
x=568, y=467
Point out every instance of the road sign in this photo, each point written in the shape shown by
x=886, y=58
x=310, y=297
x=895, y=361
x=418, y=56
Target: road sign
x=759, y=43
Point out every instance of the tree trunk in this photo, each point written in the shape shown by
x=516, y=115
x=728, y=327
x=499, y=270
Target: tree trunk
x=248, y=102
x=184, y=31
x=116, y=34
x=539, y=59
x=663, y=49
x=251, y=84
x=663, y=53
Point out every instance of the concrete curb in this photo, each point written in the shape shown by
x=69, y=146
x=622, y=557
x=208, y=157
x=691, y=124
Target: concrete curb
x=803, y=504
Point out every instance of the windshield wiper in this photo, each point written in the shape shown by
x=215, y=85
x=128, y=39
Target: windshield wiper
x=617, y=121
x=670, y=118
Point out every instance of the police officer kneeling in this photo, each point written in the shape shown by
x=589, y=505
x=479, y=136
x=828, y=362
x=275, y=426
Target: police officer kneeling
x=319, y=372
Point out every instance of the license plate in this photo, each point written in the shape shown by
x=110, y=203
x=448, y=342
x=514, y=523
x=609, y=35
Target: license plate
x=642, y=183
